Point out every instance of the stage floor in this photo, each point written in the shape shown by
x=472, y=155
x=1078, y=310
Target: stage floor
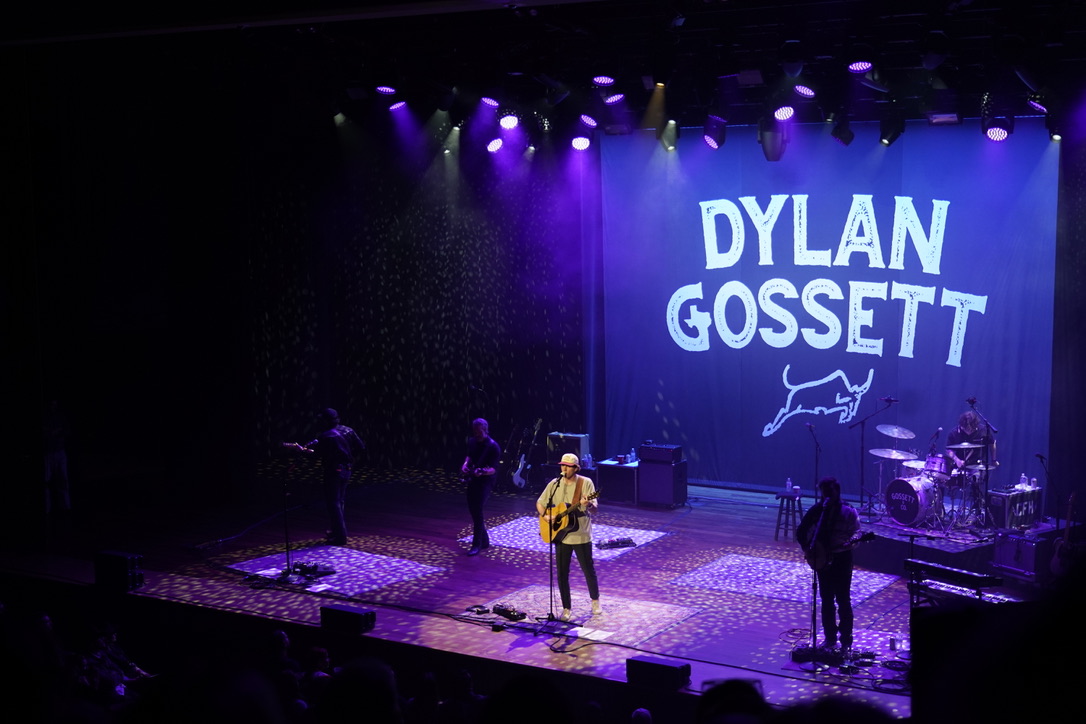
x=703, y=584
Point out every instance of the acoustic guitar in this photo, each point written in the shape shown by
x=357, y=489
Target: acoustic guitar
x=818, y=558
x=564, y=520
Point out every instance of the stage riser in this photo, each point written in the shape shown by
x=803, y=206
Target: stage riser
x=887, y=555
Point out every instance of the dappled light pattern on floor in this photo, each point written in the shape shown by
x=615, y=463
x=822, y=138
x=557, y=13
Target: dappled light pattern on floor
x=782, y=580
x=524, y=533
x=624, y=621
x=352, y=572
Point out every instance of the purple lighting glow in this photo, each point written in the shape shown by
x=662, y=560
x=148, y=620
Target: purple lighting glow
x=804, y=90
x=398, y=105
x=613, y=99
x=603, y=80
x=580, y=143
x=589, y=121
x=784, y=113
x=996, y=134
x=386, y=90
x=509, y=122
x=860, y=66
x=488, y=101
x=494, y=146
x=711, y=142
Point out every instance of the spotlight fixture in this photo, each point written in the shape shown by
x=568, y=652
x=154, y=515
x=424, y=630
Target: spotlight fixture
x=509, y=120
x=784, y=112
x=581, y=143
x=998, y=129
x=773, y=135
x=860, y=59
x=603, y=81
x=1037, y=102
x=668, y=135
x=890, y=129
x=842, y=133
x=715, y=129
x=803, y=90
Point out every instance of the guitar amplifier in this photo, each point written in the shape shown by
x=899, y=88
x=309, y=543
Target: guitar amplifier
x=657, y=453
x=560, y=443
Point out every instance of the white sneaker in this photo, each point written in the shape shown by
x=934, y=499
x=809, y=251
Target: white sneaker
x=596, y=610
x=565, y=615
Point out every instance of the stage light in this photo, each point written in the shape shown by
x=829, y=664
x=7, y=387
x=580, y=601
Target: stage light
x=669, y=135
x=614, y=98
x=890, y=129
x=603, y=81
x=998, y=129
x=842, y=133
x=509, y=121
x=784, y=113
x=386, y=90
x=860, y=59
x=714, y=132
x=588, y=121
x=773, y=136
x=489, y=101
x=1037, y=102
x=791, y=58
x=398, y=105
x=581, y=143
x=494, y=146
x=804, y=91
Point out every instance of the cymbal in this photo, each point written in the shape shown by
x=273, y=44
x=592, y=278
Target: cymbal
x=894, y=431
x=965, y=446
x=883, y=452
x=981, y=466
x=915, y=464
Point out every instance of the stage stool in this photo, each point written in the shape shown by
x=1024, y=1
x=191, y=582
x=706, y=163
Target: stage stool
x=789, y=511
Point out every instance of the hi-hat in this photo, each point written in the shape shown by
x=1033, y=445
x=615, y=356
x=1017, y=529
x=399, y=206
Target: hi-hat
x=965, y=446
x=982, y=466
x=884, y=452
x=894, y=431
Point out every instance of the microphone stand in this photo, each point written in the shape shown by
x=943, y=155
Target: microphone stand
x=984, y=511
x=1048, y=482
x=863, y=487
x=817, y=456
x=550, y=553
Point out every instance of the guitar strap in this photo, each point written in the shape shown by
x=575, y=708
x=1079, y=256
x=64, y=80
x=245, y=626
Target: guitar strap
x=577, y=491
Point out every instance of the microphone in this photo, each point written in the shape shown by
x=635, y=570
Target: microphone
x=971, y=401
x=809, y=425
x=1039, y=456
x=889, y=400
x=937, y=433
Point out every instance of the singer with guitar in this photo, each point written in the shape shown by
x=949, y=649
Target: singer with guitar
x=828, y=533
x=564, y=509
x=480, y=470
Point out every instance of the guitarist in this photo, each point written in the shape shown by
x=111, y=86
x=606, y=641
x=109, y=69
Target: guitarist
x=577, y=494
x=828, y=533
x=480, y=470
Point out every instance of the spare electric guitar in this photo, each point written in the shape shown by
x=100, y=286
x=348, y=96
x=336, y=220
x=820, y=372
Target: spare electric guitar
x=520, y=475
x=564, y=520
x=1062, y=550
x=818, y=558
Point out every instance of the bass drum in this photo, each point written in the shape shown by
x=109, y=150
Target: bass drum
x=911, y=500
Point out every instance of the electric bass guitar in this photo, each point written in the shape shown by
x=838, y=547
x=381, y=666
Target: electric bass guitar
x=520, y=474
x=564, y=519
x=818, y=558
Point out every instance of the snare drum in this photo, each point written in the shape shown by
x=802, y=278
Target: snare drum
x=910, y=501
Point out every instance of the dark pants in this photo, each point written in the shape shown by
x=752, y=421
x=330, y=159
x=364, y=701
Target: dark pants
x=335, y=496
x=835, y=590
x=478, y=493
x=563, y=554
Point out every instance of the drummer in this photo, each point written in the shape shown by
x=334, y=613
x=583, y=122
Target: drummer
x=969, y=432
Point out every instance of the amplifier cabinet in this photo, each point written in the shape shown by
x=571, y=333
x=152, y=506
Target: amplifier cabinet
x=661, y=484
x=655, y=453
x=617, y=481
x=560, y=443
x=1023, y=557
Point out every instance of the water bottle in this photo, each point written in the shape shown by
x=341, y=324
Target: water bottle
x=788, y=486
x=633, y=456
x=1023, y=482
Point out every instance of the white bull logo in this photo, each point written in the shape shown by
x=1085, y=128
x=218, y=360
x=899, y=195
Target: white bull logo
x=833, y=393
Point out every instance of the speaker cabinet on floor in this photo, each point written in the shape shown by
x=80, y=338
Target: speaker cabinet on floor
x=651, y=672
x=661, y=484
x=348, y=620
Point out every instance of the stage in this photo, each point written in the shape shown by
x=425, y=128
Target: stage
x=703, y=585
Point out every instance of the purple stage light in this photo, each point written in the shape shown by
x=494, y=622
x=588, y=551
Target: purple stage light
x=603, y=81
x=711, y=142
x=494, y=146
x=613, y=99
x=386, y=90
x=589, y=121
x=398, y=105
x=860, y=66
x=784, y=113
x=580, y=143
x=804, y=90
x=488, y=101
x=996, y=133
x=509, y=122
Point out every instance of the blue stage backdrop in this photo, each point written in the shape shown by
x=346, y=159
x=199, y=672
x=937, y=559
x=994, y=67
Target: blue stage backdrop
x=757, y=311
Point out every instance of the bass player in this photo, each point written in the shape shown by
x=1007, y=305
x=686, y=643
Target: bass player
x=570, y=498
x=827, y=534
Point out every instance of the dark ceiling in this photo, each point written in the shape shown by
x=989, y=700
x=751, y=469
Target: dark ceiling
x=990, y=51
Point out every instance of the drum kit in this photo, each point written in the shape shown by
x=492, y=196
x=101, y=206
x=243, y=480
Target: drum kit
x=929, y=491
